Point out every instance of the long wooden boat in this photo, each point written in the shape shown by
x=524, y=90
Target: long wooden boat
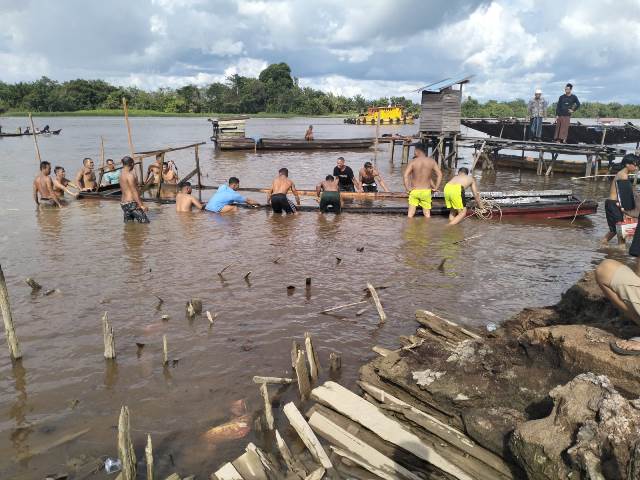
x=517, y=129
x=50, y=132
x=530, y=163
x=244, y=143
x=548, y=204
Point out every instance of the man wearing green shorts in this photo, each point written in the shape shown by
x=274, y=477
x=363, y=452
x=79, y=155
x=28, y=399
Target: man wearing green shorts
x=329, y=194
x=454, y=195
x=418, y=181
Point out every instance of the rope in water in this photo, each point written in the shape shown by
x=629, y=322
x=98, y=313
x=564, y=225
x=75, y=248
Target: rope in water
x=577, y=210
x=485, y=210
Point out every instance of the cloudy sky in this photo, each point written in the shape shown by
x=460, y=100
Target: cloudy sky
x=372, y=47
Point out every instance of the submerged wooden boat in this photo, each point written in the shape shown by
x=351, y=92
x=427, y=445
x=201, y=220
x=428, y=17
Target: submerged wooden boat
x=245, y=143
x=50, y=132
x=529, y=163
x=517, y=129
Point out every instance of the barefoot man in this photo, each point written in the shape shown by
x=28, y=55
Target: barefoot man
x=131, y=203
x=418, y=181
x=43, y=186
x=277, y=194
x=454, y=195
x=86, y=177
x=185, y=201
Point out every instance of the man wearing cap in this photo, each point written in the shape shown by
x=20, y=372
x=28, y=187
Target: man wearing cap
x=537, y=109
x=567, y=105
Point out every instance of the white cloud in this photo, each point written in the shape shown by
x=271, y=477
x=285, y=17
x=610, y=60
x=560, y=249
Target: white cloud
x=225, y=48
x=352, y=55
x=246, y=67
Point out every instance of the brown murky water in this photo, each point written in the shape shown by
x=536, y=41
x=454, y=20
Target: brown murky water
x=97, y=263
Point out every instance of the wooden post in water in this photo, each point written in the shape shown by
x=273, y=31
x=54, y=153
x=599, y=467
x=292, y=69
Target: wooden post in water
x=587, y=172
x=148, y=453
x=376, y=301
x=131, y=149
x=125, y=446
x=303, y=376
x=109, y=340
x=102, y=165
x=160, y=176
x=312, y=357
x=5, y=308
x=165, y=351
x=335, y=359
x=197, y=155
x=375, y=152
x=540, y=163
x=35, y=140
x=392, y=146
x=405, y=152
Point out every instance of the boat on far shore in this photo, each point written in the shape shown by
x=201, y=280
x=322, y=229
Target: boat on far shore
x=23, y=134
x=244, y=143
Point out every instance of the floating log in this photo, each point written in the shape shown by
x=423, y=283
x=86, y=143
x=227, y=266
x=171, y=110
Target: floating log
x=376, y=301
x=35, y=286
x=335, y=360
x=312, y=357
x=346, y=305
x=148, y=453
x=108, y=338
x=283, y=381
x=293, y=464
x=228, y=472
x=165, y=351
x=369, y=416
x=303, y=376
x=268, y=412
x=306, y=435
x=125, y=447
x=5, y=308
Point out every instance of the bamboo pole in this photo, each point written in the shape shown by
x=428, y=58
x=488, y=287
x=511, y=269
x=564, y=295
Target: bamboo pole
x=148, y=452
x=5, y=308
x=131, y=149
x=165, y=351
x=375, y=152
x=35, y=140
x=197, y=156
x=376, y=300
x=109, y=340
x=125, y=446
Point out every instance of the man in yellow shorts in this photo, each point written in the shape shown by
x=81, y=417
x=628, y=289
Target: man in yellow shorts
x=418, y=181
x=454, y=195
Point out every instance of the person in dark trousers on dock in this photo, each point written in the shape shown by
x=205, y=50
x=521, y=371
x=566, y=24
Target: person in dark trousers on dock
x=536, y=110
x=347, y=180
x=613, y=211
x=567, y=105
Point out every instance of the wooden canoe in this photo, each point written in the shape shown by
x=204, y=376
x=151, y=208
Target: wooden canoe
x=50, y=132
x=531, y=163
x=244, y=143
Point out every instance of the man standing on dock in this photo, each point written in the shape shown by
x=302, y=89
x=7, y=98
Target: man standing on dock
x=347, y=180
x=277, y=194
x=536, y=110
x=131, y=203
x=612, y=209
x=567, y=105
x=418, y=181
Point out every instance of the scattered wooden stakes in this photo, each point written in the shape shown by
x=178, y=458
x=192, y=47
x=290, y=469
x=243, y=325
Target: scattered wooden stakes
x=5, y=308
x=376, y=301
x=194, y=307
x=312, y=357
x=35, y=286
x=165, y=351
x=223, y=270
x=125, y=447
x=335, y=361
x=268, y=412
x=211, y=317
x=108, y=338
x=148, y=453
x=304, y=386
x=307, y=436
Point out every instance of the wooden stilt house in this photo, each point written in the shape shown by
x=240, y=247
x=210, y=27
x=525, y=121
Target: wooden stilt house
x=441, y=107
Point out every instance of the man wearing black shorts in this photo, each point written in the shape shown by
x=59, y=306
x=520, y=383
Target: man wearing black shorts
x=277, y=194
x=612, y=209
x=347, y=180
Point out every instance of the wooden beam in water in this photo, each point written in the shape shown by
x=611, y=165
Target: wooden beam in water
x=153, y=153
x=5, y=309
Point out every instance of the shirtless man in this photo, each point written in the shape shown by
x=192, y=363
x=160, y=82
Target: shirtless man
x=368, y=176
x=86, y=177
x=612, y=210
x=454, y=195
x=328, y=194
x=154, y=171
x=277, y=194
x=61, y=183
x=168, y=174
x=43, y=186
x=308, y=135
x=185, y=201
x=131, y=203
x=418, y=182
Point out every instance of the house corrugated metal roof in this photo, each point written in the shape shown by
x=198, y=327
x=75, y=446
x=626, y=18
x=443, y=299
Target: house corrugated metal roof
x=446, y=83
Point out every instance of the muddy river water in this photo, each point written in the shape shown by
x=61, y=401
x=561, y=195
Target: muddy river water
x=96, y=263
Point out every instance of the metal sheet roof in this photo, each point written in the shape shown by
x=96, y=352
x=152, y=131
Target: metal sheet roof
x=446, y=83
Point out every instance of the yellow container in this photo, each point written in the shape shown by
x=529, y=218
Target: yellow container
x=388, y=116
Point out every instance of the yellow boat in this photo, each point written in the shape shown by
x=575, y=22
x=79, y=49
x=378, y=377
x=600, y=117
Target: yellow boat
x=392, y=115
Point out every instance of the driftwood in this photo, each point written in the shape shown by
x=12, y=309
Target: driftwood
x=38, y=450
x=293, y=464
x=148, y=453
x=5, y=308
x=335, y=361
x=303, y=376
x=222, y=271
x=372, y=460
x=125, y=447
x=294, y=353
x=312, y=357
x=268, y=412
x=346, y=305
x=283, y=381
x=211, y=317
x=35, y=286
x=249, y=466
x=317, y=474
x=194, y=307
x=383, y=352
x=269, y=466
x=361, y=311
x=369, y=416
x=306, y=435
x=173, y=476
x=376, y=301
x=444, y=328
x=109, y=339
x=165, y=351
x=228, y=472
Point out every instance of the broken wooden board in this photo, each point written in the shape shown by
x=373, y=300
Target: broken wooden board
x=293, y=464
x=303, y=376
x=306, y=435
x=270, y=468
x=228, y=472
x=369, y=416
x=249, y=466
x=443, y=327
x=316, y=474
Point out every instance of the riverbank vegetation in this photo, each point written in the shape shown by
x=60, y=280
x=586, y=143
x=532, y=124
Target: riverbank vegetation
x=274, y=93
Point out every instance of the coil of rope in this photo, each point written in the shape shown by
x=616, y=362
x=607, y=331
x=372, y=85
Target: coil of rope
x=485, y=210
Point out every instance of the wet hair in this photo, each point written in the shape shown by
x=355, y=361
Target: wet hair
x=329, y=178
x=464, y=170
x=341, y=158
x=57, y=169
x=127, y=161
x=311, y=127
x=629, y=159
x=44, y=165
x=568, y=85
x=367, y=164
x=422, y=148
x=284, y=171
x=165, y=163
x=185, y=184
x=84, y=162
x=234, y=181
x=110, y=160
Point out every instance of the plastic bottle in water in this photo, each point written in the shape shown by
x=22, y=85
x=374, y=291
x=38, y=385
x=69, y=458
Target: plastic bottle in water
x=112, y=465
x=491, y=327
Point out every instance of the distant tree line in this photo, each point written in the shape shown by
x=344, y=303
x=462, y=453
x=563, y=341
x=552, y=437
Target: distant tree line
x=274, y=91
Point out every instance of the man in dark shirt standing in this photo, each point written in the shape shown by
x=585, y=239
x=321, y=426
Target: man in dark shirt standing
x=347, y=180
x=567, y=104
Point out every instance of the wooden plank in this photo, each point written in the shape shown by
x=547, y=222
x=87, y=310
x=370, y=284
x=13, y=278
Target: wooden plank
x=153, y=153
x=249, y=466
x=306, y=435
x=270, y=468
x=293, y=464
x=228, y=472
x=443, y=327
x=312, y=357
x=278, y=380
x=376, y=301
x=371, y=417
x=373, y=460
x=303, y=376
x=268, y=412
x=316, y=474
